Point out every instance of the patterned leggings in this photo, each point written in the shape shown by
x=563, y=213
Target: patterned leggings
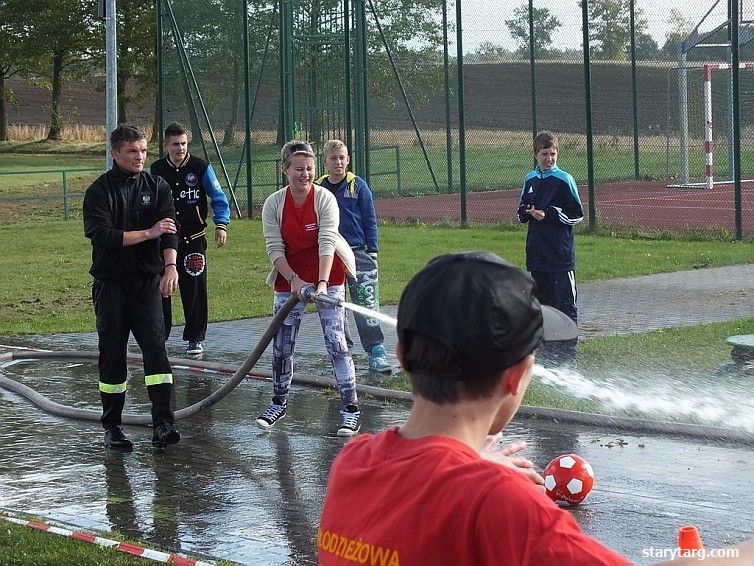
x=332, y=319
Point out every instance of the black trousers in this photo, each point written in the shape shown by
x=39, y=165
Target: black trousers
x=192, y=282
x=122, y=307
x=557, y=289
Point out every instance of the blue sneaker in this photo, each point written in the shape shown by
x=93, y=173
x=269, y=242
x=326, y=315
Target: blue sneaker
x=378, y=361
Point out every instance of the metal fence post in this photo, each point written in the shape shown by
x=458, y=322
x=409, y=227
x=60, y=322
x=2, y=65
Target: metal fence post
x=588, y=97
x=446, y=85
x=633, y=90
x=160, y=86
x=736, y=117
x=112, y=75
x=286, y=54
x=461, y=114
x=247, y=107
x=532, y=71
x=65, y=196
x=361, y=110
x=348, y=110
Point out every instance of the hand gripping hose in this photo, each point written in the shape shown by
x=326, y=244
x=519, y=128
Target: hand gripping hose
x=309, y=292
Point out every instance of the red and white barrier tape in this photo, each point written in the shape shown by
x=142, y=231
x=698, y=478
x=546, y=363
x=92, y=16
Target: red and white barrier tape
x=9, y=347
x=117, y=545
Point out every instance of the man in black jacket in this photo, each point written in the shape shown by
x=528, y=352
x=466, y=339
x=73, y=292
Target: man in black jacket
x=129, y=217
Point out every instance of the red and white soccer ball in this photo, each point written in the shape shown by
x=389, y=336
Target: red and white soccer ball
x=568, y=479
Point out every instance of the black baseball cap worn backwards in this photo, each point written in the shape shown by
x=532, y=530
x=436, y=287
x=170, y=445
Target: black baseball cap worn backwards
x=482, y=309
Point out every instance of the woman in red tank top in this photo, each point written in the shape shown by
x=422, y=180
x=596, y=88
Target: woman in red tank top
x=300, y=224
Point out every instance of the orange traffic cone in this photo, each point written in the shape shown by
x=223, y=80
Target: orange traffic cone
x=689, y=540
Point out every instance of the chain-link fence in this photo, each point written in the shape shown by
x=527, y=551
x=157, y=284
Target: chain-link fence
x=432, y=135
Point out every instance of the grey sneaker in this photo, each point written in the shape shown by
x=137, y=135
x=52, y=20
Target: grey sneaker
x=378, y=361
x=273, y=414
x=194, y=348
x=349, y=421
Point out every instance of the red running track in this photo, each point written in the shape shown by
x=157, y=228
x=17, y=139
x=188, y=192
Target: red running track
x=639, y=204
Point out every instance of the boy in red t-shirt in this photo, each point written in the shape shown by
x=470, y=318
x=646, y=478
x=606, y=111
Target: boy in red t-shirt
x=422, y=492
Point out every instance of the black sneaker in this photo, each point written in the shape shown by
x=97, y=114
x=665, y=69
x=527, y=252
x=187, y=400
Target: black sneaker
x=165, y=434
x=116, y=439
x=194, y=348
x=273, y=414
x=349, y=421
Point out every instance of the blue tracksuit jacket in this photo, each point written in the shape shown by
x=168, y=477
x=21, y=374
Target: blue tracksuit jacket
x=549, y=243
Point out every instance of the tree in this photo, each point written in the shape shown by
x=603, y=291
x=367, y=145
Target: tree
x=136, y=35
x=212, y=33
x=12, y=61
x=545, y=25
x=646, y=47
x=488, y=52
x=679, y=28
x=66, y=38
x=413, y=33
x=212, y=36
x=609, y=28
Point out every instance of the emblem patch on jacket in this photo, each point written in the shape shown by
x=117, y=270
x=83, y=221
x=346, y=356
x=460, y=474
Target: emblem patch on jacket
x=193, y=264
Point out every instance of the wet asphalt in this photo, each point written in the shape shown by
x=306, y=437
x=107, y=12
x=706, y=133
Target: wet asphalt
x=231, y=491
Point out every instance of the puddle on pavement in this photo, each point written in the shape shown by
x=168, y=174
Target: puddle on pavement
x=231, y=491
x=228, y=489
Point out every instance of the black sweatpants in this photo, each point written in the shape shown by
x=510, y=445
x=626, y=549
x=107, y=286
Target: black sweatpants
x=557, y=289
x=132, y=306
x=192, y=282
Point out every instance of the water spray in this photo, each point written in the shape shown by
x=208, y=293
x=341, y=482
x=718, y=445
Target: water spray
x=310, y=295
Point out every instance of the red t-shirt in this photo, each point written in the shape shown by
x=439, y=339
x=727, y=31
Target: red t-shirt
x=433, y=501
x=300, y=231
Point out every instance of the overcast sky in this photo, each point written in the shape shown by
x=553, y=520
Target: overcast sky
x=484, y=20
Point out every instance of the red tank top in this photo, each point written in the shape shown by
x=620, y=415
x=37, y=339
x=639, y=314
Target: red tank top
x=300, y=231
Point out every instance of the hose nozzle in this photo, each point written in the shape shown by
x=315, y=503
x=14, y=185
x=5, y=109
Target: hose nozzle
x=309, y=293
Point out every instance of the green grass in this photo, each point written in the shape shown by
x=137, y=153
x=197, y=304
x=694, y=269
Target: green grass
x=49, y=290
x=24, y=546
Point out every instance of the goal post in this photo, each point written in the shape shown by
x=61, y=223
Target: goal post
x=709, y=141
x=703, y=139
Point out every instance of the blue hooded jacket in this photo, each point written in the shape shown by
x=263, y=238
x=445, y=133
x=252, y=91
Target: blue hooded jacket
x=358, y=219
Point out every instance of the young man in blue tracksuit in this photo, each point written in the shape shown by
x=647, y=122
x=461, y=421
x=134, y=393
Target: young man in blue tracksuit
x=358, y=225
x=192, y=180
x=550, y=204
